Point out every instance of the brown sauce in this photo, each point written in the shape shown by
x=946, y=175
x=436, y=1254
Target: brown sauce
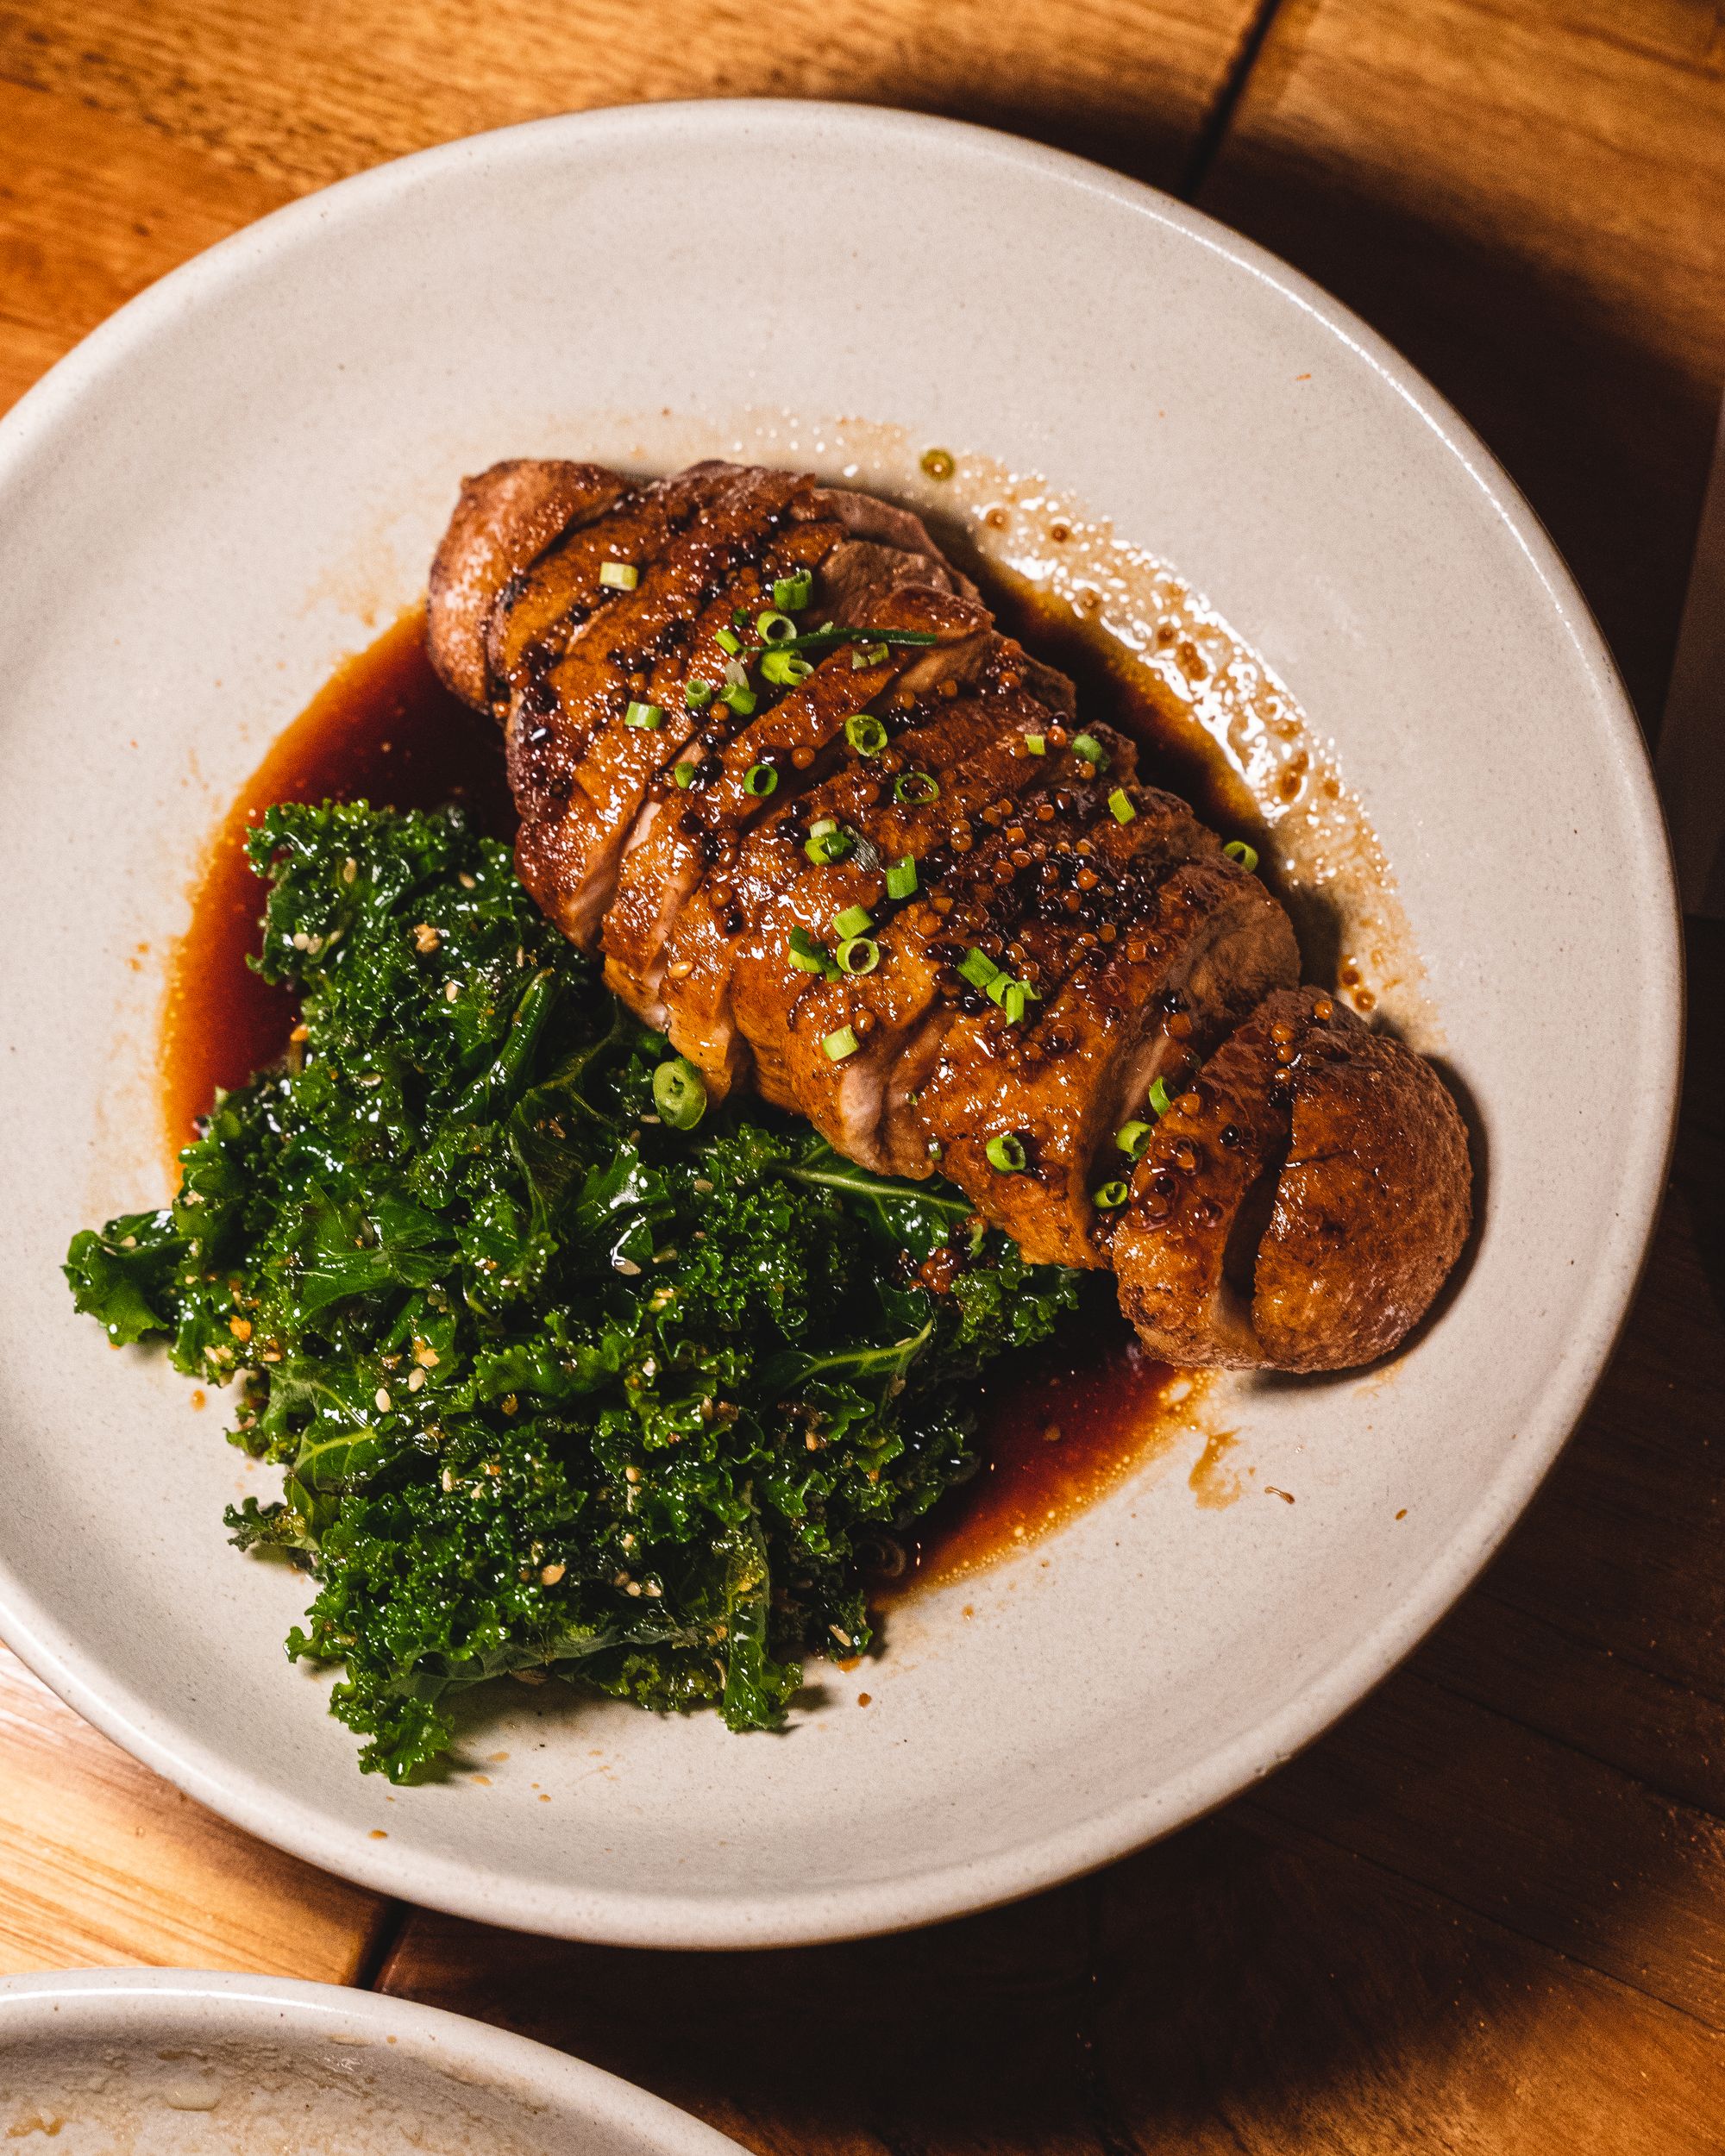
x=1112, y=686
x=1061, y=1427
x=385, y=729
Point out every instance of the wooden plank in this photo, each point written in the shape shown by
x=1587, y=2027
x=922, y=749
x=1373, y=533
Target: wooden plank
x=1566, y=1851
x=308, y=95
x=1528, y=197
x=1603, y=1623
x=106, y=1864
x=1230, y=1992
x=91, y=211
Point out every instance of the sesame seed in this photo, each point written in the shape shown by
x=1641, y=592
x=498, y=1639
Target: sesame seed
x=425, y=937
x=416, y=1378
x=382, y=1401
x=451, y=990
x=551, y=1574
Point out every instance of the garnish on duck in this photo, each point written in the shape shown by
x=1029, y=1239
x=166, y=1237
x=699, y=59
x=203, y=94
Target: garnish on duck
x=847, y=844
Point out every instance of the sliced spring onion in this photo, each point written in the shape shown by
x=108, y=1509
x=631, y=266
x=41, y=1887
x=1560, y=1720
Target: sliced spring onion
x=1036, y=744
x=760, y=780
x=858, y=955
x=823, y=826
x=619, y=576
x=807, y=955
x=1091, y=750
x=824, y=846
x=915, y=785
x=1133, y=1138
x=935, y=1148
x=868, y=656
x=1007, y=1153
x=829, y=636
x=1159, y=1101
x=866, y=734
x=901, y=878
x=740, y=700
x=840, y=1045
x=647, y=715
x=854, y=920
x=685, y=774
x=787, y=668
x=697, y=694
x=728, y=640
x=1110, y=1195
x=977, y=968
x=774, y=628
x=1237, y=849
x=680, y=1094
x=1014, y=1000
x=1120, y=805
x=794, y=591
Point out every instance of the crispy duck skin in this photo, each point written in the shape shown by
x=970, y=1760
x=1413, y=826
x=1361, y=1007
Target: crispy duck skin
x=1301, y=1203
x=1070, y=937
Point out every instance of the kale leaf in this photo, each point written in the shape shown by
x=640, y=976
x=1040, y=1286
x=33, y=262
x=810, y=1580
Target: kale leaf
x=555, y=1389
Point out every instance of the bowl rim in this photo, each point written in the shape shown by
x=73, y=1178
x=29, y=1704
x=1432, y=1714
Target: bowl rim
x=108, y=2005
x=814, y=1912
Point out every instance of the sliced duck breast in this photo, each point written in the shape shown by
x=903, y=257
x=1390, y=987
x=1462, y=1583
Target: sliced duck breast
x=857, y=1051
x=506, y=519
x=1302, y=1201
x=904, y=804
x=1026, y=1116
x=740, y=770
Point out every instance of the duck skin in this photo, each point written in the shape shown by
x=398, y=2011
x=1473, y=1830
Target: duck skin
x=849, y=844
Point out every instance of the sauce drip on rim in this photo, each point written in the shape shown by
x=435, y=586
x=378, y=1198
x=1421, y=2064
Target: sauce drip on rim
x=385, y=729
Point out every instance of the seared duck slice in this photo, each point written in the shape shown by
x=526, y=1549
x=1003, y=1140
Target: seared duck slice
x=1179, y=955
x=690, y=837
x=1302, y=1201
x=906, y=805
x=506, y=519
x=863, y=1096
x=583, y=596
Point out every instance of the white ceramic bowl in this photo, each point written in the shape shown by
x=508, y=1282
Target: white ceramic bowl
x=175, y=2062
x=220, y=492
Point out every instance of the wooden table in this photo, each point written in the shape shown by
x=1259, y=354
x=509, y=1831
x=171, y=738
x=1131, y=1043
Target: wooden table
x=1487, y=1912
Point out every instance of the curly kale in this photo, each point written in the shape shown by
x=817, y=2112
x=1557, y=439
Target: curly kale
x=556, y=1389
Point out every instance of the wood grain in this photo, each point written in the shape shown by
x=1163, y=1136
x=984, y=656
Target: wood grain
x=91, y=211
x=104, y=1864
x=1487, y=1912
x=310, y=93
x=1227, y=1994
x=1528, y=197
